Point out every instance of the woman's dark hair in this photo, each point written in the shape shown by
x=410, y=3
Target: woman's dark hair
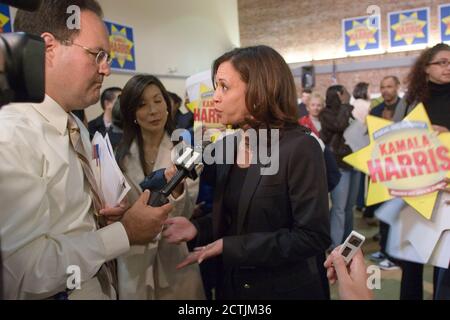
x=271, y=97
x=361, y=91
x=332, y=99
x=418, y=88
x=130, y=100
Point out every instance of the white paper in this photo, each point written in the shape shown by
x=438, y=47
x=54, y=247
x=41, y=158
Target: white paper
x=414, y=238
x=111, y=181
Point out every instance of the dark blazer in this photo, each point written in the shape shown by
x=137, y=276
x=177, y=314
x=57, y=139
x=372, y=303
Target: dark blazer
x=97, y=125
x=283, y=223
x=115, y=134
x=334, y=123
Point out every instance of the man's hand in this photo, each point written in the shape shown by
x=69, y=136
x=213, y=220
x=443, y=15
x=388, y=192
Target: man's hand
x=352, y=279
x=142, y=222
x=203, y=253
x=178, y=230
x=115, y=214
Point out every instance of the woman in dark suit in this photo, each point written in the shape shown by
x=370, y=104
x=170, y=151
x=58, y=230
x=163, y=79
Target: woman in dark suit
x=266, y=228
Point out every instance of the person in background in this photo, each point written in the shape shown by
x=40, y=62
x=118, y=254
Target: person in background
x=116, y=130
x=314, y=107
x=302, y=111
x=103, y=123
x=335, y=118
x=148, y=272
x=389, y=87
x=266, y=230
x=361, y=107
x=361, y=104
x=181, y=116
x=429, y=83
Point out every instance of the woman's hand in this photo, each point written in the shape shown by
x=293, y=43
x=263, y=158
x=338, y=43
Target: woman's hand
x=178, y=230
x=169, y=174
x=203, y=253
x=352, y=279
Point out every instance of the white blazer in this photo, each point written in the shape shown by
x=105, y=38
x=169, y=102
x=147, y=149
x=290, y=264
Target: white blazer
x=148, y=272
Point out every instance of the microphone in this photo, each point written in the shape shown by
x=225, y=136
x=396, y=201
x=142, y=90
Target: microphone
x=28, y=5
x=187, y=166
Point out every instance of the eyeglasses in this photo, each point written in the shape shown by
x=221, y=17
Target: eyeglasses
x=100, y=56
x=441, y=63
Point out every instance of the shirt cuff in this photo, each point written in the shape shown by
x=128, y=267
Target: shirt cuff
x=114, y=239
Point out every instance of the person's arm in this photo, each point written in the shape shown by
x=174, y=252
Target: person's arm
x=352, y=279
x=309, y=234
x=37, y=246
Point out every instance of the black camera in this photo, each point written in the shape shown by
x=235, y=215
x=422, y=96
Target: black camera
x=22, y=62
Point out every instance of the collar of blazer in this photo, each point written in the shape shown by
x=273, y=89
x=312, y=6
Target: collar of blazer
x=249, y=187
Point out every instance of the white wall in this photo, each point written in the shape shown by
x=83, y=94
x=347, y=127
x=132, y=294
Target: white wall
x=185, y=35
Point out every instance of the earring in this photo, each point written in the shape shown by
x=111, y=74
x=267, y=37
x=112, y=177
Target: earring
x=135, y=121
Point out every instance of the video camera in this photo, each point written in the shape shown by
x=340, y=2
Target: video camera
x=22, y=62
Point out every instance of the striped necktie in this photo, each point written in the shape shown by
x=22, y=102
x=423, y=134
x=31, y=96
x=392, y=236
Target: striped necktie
x=107, y=273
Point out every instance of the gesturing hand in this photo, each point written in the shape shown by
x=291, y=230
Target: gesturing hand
x=203, y=253
x=178, y=230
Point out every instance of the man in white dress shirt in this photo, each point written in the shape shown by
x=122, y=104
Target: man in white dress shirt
x=47, y=221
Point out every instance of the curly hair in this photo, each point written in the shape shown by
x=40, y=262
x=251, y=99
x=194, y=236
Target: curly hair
x=418, y=90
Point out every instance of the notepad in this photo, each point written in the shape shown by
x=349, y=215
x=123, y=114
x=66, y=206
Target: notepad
x=109, y=177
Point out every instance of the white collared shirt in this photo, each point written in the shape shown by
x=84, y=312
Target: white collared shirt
x=46, y=217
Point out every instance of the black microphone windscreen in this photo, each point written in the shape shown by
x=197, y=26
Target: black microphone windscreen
x=28, y=5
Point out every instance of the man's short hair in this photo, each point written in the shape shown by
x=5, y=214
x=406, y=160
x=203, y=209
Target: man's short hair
x=109, y=95
x=397, y=82
x=52, y=17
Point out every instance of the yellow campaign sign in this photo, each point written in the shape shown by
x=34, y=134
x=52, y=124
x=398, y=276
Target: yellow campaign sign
x=405, y=159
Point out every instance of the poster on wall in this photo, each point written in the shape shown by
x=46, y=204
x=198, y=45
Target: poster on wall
x=5, y=19
x=122, y=47
x=361, y=34
x=444, y=22
x=409, y=28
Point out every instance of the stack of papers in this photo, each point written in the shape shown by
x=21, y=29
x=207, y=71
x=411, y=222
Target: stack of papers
x=109, y=177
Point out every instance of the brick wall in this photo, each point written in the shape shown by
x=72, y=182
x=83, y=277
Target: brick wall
x=313, y=29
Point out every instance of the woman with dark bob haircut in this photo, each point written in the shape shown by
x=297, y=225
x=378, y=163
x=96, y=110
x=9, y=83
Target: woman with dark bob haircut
x=266, y=230
x=148, y=272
